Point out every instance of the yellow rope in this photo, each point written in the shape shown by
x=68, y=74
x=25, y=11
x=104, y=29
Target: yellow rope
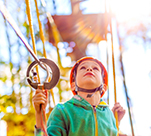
x=55, y=31
x=32, y=31
x=57, y=38
x=43, y=41
x=115, y=94
x=40, y=29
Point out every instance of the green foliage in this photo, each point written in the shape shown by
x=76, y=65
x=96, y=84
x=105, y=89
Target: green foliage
x=3, y=79
x=19, y=124
x=27, y=28
x=16, y=93
x=6, y=101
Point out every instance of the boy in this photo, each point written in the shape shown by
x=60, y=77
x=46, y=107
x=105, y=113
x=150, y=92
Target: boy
x=85, y=114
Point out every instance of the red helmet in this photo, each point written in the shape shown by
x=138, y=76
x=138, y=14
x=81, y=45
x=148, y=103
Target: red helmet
x=105, y=75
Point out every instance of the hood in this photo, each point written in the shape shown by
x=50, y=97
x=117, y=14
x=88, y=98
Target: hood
x=81, y=102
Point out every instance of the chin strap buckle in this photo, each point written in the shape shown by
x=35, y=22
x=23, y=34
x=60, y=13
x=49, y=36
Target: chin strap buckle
x=100, y=88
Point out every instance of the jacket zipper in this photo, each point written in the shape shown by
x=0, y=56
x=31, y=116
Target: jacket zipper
x=96, y=122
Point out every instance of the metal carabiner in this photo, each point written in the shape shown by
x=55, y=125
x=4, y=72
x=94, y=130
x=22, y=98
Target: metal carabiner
x=55, y=74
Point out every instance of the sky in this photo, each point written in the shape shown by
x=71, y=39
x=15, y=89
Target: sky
x=136, y=60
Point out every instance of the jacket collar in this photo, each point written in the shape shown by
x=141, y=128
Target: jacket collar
x=81, y=101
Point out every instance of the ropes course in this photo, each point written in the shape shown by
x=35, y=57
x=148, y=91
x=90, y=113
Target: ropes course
x=47, y=64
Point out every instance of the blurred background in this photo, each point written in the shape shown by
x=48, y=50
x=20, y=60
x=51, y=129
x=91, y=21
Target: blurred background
x=117, y=32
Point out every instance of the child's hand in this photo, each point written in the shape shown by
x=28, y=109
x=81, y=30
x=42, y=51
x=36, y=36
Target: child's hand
x=122, y=135
x=40, y=97
x=120, y=111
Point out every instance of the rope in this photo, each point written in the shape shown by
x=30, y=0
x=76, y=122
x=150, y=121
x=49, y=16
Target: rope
x=43, y=41
x=56, y=35
x=55, y=31
x=32, y=32
x=115, y=99
x=43, y=115
x=124, y=83
x=40, y=29
x=107, y=55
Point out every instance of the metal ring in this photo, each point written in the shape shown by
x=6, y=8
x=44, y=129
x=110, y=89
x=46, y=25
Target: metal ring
x=55, y=74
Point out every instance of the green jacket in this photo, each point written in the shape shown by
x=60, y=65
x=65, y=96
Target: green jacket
x=77, y=117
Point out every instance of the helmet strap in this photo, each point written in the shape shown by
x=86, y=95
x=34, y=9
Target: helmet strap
x=90, y=90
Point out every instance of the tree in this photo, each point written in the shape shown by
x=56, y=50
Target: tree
x=16, y=94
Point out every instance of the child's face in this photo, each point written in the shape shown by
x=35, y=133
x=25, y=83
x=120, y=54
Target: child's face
x=88, y=75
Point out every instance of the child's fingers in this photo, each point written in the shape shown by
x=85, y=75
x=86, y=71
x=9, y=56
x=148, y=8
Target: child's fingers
x=39, y=91
x=40, y=94
x=39, y=97
x=117, y=107
x=46, y=93
x=120, y=109
x=38, y=102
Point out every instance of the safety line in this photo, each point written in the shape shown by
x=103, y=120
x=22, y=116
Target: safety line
x=13, y=24
x=107, y=54
x=124, y=83
x=32, y=32
x=40, y=29
x=43, y=41
x=114, y=80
